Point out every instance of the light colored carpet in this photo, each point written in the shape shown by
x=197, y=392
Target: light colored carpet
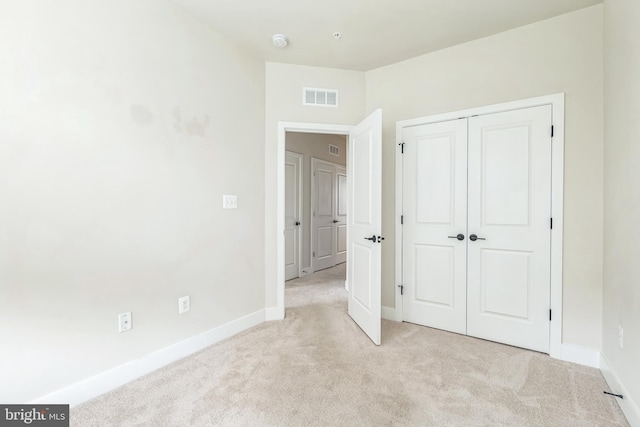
x=317, y=368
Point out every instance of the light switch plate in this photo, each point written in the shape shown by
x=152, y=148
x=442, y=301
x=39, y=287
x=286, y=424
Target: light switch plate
x=229, y=201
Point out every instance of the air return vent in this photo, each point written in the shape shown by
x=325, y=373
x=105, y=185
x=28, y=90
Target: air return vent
x=334, y=149
x=319, y=97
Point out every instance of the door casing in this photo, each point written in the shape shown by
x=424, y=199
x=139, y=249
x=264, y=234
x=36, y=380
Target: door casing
x=557, y=196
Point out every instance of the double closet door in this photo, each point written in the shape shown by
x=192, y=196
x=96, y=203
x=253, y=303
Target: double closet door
x=476, y=234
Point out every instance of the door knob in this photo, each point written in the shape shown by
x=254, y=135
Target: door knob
x=335, y=220
x=473, y=238
x=460, y=236
x=372, y=238
x=297, y=222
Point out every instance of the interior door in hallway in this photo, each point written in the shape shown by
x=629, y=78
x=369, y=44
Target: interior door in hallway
x=509, y=202
x=365, y=224
x=323, y=211
x=340, y=215
x=435, y=225
x=292, y=214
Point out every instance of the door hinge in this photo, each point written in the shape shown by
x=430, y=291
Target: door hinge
x=551, y=131
x=401, y=144
x=401, y=219
x=401, y=289
x=551, y=223
x=314, y=254
x=549, y=315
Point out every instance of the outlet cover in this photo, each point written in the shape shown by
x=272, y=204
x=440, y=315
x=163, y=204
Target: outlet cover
x=124, y=322
x=184, y=304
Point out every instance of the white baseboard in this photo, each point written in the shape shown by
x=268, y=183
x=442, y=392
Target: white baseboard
x=628, y=406
x=274, y=313
x=389, y=313
x=120, y=375
x=580, y=355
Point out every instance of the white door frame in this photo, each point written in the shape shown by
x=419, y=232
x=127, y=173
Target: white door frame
x=283, y=127
x=557, y=196
x=299, y=210
x=314, y=161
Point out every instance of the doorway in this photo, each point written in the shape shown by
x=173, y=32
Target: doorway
x=364, y=221
x=315, y=202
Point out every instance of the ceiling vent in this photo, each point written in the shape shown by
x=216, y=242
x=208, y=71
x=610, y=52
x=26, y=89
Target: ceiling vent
x=319, y=97
x=334, y=149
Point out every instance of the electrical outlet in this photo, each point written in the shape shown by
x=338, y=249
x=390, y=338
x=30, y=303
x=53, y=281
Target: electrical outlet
x=184, y=304
x=124, y=322
x=621, y=336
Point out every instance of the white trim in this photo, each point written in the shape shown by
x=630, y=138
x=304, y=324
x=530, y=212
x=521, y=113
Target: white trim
x=273, y=313
x=557, y=189
x=628, y=406
x=283, y=128
x=108, y=380
x=299, y=208
x=399, y=236
x=581, y=355
x=557, y=213
x=388, y=313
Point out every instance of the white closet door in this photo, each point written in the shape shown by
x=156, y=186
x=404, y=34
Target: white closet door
x=509, y=203
x=435, y=214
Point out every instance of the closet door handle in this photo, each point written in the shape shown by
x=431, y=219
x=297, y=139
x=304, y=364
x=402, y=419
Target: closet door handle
x=372, y=238
x=459, y=237
x=473, y=238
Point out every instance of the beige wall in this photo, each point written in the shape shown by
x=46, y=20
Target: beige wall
x=313, y=145
x=284, y=85
x=562, y=54
x=122, y=124
x=621, y=305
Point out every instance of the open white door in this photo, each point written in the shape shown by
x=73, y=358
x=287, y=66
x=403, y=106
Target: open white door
x=365, y=224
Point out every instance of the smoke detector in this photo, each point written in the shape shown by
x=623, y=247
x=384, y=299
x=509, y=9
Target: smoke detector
x=280, y=40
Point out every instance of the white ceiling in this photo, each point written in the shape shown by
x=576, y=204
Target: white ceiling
x=374, y=32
